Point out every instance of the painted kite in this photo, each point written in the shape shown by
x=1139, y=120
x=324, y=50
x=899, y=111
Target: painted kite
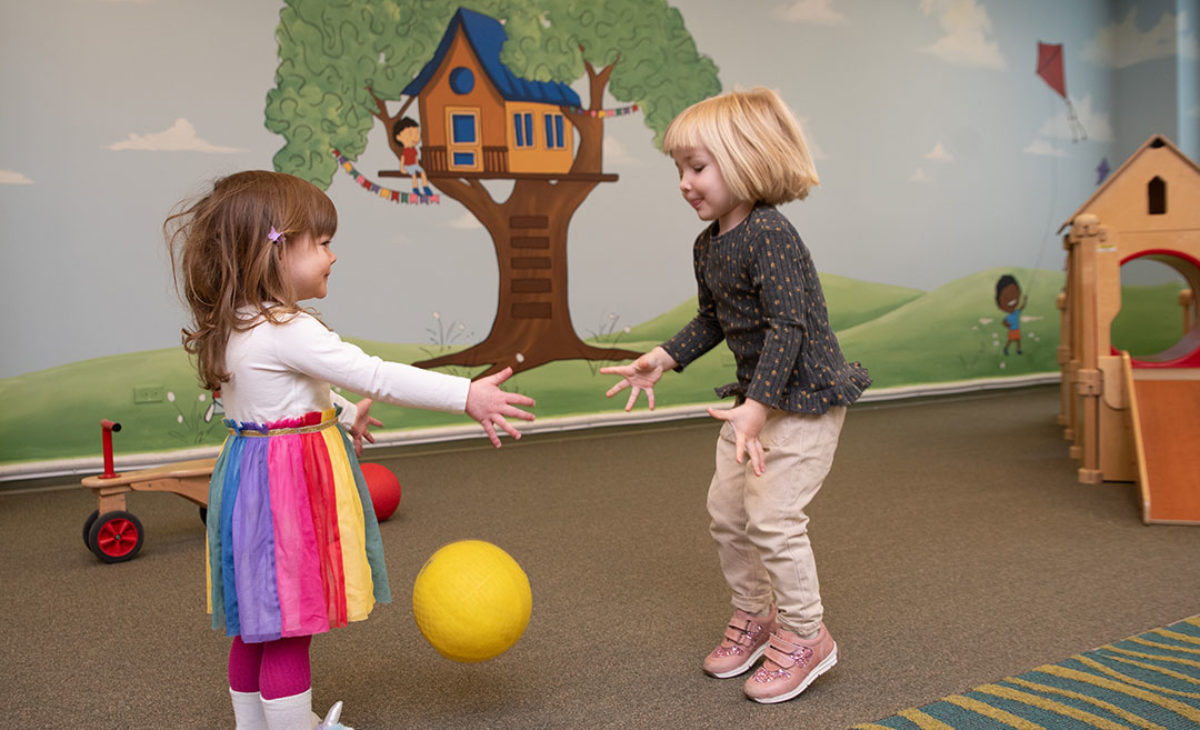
x=1050, y=68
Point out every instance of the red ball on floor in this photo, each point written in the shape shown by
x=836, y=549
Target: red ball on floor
x=384, y=488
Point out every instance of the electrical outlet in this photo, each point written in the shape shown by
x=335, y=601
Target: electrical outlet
x=149, y=394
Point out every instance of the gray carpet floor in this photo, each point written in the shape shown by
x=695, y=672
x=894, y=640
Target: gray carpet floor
x=954, y=543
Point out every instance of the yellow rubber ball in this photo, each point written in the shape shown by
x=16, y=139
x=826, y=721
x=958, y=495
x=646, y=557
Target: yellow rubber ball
x=471, y=601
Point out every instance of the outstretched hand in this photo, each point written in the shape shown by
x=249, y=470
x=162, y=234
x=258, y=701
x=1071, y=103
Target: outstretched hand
x=640, y=375
x=490, y=405
x=747, y=421
x=362, y=423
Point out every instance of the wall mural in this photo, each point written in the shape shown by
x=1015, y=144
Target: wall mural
x=471, y=146
x=482, y=118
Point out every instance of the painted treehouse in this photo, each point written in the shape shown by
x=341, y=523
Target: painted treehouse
x=493, y=105
x=480, y=121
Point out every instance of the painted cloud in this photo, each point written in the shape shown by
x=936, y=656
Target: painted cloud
x=814, y=12
x=1124, y=44
x=179, y=137
x=966, y=27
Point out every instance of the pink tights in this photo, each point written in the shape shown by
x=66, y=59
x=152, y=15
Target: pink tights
x=277, y=668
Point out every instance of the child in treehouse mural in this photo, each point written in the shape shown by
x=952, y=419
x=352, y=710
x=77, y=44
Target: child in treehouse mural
x=407, y=133
x=1008, y=298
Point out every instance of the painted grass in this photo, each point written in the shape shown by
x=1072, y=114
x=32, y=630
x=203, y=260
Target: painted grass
x=904, y=337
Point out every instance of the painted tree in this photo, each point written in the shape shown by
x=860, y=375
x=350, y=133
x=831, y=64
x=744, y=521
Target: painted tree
x=345, y=66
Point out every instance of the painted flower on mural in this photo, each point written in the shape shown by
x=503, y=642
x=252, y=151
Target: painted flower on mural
x=197, y=422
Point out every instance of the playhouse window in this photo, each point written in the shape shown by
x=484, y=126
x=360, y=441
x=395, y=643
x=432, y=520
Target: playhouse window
x=1156, y=196
x=554, y=131
x=523, y=127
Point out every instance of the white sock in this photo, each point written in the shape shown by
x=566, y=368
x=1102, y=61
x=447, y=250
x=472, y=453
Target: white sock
x=289, y=713
x=248, y=710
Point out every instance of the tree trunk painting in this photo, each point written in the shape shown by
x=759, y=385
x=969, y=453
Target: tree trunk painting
x=533, y=322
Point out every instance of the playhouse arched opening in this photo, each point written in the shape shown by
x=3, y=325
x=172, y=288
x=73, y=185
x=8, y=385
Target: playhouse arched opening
x=1176, y=306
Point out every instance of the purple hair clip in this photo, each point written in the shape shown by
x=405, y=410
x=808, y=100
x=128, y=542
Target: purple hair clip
x=275, y=236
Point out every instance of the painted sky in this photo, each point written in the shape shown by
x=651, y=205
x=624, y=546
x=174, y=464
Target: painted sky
x=940, y=154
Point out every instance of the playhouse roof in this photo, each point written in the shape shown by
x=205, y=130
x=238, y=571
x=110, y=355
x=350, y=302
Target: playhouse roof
x=1155, y=141
x=486, y=36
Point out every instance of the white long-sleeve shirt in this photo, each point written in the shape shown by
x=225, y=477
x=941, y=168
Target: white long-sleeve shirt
x=285, y=370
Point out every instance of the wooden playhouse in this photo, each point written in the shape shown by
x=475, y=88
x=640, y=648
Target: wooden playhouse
x=1128, y=418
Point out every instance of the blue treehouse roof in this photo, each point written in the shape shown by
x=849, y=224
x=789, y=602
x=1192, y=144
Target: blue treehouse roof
x=486, y=36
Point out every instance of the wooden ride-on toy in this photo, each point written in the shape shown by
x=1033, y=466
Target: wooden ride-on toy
x=116, y=535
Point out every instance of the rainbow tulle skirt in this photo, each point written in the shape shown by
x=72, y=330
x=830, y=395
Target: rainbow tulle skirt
x=293, y=545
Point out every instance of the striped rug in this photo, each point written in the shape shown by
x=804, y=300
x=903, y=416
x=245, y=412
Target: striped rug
x=1147, y=681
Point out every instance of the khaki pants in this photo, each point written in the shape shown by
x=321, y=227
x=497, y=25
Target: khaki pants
x=759, y=523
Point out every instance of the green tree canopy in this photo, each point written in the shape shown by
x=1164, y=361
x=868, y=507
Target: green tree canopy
x=337, y=58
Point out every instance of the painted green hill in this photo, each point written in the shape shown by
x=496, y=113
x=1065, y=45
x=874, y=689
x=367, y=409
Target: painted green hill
x=952, y=333
x=956, y=332
x=850, y=302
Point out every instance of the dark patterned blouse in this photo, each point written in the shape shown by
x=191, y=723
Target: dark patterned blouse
x=758, y=289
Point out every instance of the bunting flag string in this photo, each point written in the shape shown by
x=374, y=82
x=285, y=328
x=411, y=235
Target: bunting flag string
x=386, y=193
x=602, y=113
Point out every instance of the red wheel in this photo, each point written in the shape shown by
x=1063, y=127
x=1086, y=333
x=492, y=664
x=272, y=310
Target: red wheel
x=116, y=536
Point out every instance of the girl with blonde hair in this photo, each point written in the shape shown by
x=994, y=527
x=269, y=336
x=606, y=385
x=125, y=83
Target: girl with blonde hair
x=739, y=155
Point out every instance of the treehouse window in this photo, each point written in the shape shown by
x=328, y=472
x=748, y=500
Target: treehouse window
x=1156, y=196
x=463, y=146
x=462, y=80
x=523, y=129
x=464, y=129
x=554, y=131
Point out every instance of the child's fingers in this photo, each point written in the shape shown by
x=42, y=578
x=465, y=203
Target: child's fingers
x=501, y=376
x=508, y=427
x=650, y=397
x=490, y=430
x=617, y=388
x=516, y=413
x=518, y=399
x=757, y=460
x=633, y=394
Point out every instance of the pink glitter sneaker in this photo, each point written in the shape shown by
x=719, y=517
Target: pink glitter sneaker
x=744, y=642
x=791, y=665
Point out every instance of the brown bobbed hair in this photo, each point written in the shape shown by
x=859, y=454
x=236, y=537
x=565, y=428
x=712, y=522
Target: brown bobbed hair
x=222, y=257
x=754, y=139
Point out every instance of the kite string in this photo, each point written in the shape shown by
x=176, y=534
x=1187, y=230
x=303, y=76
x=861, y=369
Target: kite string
x=1047, y=236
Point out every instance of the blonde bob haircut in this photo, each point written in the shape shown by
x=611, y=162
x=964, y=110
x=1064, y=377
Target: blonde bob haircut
x=754, y=139
x=223, y=256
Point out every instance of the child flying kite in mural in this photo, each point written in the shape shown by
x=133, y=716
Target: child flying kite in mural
x=1008, y=298
x=408, y=134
